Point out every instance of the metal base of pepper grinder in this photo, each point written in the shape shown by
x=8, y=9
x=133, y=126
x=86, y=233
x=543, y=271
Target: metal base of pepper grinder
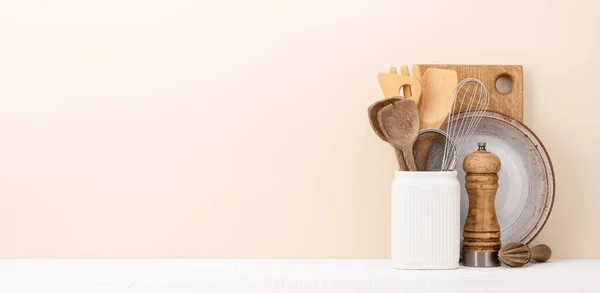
x=480, y=259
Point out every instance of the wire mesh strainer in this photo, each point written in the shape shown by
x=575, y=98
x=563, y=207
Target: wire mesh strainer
x=429, y=149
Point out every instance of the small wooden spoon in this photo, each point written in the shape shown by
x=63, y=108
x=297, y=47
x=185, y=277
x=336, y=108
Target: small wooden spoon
x=400, y=125
x=373, y=109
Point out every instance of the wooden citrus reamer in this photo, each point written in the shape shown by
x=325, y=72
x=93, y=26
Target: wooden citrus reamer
x=517, y=254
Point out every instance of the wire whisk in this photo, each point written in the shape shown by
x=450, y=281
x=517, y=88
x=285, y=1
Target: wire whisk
x=469, y=95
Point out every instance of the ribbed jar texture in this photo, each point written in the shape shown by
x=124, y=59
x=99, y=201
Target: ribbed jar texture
x=425, y=220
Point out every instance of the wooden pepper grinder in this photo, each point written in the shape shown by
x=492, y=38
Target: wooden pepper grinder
x=482, y=231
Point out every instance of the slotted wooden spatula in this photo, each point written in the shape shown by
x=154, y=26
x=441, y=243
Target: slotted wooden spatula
x=392, y=83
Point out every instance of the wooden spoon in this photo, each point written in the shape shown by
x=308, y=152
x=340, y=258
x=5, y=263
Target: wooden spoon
x=373, y=109
x=400, y=125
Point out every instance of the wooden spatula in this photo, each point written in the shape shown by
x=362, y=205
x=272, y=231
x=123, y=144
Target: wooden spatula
x=406, y=88
x=392, y=83
x=400, y=125
x=417, y=72
x=437, y=85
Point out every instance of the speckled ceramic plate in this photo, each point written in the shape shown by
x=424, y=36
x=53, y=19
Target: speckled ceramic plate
x=526, y=179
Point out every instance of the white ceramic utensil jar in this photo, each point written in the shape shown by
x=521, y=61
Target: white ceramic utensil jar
x=425, y=220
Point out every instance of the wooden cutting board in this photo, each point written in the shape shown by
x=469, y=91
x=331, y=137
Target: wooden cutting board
x=510, y=103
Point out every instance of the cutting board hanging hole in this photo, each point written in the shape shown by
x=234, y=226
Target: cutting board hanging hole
x=504, y=84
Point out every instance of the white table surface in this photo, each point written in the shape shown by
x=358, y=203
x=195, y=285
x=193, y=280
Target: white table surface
x=309, y=275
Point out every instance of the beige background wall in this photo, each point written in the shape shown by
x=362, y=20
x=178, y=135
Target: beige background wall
x=238, y=128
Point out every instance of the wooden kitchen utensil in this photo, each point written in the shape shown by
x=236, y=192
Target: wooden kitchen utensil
x=406, y=88
x=417, y=72
x=392, y=83
x=436, y=97
x=509, y=104
x=400, y=125
x=517, y=254
x=404, y=71
x=373, y=109
x=482, y=231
